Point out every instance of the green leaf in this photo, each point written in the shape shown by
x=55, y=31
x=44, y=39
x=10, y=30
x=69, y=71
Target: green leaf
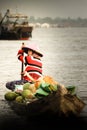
x=71, y=89
x=45, y=87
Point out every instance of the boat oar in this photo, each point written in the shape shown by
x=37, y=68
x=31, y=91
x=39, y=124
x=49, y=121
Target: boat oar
x=22, y=66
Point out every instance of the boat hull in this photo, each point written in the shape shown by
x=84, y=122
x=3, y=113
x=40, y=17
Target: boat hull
x=17, y=34
x=54, y=104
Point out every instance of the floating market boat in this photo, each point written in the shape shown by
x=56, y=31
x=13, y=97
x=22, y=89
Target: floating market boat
x=15, y=27
x=50, y=100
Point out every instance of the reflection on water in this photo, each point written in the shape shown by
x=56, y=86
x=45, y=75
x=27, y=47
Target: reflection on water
x=65, y=56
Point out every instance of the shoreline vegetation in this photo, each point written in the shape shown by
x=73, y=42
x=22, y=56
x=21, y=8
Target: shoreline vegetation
x=59, y=22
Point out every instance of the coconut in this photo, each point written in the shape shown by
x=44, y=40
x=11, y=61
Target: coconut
x=27, y=94
x=26, y=86
x=19, y=99
x=10, y=95
x=32, y=88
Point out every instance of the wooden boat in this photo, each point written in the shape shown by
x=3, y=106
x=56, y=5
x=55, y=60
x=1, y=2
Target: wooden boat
x=15, y=27
x=58, y=103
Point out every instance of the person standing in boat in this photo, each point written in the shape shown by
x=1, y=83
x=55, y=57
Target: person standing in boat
x=33, y=65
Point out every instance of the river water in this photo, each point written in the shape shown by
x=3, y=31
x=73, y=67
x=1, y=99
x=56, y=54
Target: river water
x=65, y=57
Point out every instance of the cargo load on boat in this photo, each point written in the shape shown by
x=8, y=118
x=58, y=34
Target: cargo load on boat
x=46, y=97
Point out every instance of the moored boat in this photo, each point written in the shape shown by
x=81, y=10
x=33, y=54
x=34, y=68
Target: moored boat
x=15, y=27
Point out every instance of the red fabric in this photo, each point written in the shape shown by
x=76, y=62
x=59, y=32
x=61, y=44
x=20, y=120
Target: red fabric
x=33, y=65
x=32, y=68
x=20, y=52
x=33, y=61
x=20, y=55
x=33, y=75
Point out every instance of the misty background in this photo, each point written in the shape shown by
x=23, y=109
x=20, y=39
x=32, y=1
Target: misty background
x=47, y=8
x=57, y=13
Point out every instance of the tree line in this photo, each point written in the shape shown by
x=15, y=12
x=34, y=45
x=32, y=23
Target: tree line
x=78, y=22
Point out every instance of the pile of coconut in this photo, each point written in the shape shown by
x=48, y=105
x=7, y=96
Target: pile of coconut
x=32, y=91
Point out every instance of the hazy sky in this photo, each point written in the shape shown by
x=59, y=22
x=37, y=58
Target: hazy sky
x=47, y=8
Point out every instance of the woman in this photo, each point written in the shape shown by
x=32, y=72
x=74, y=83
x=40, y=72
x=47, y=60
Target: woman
x=33, y=65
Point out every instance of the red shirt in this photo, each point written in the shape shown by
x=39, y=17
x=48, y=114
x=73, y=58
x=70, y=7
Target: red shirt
x=32, y=65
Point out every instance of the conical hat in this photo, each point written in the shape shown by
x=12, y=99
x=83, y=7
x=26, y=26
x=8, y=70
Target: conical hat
x=34, y=48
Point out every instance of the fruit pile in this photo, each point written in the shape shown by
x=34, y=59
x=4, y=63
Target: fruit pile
x=29, y=92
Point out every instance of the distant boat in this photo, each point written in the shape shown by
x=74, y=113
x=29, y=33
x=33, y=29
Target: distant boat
x=15, y=27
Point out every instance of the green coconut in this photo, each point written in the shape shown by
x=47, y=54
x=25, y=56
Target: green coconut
x=19, y=99
x=26, y=86
x=10, y=96
x=27, y=94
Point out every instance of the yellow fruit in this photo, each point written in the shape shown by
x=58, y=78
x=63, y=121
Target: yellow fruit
x=32, y=88
x=38, y=82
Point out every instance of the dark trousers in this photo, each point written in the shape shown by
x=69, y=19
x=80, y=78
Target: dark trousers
x=11, y=85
